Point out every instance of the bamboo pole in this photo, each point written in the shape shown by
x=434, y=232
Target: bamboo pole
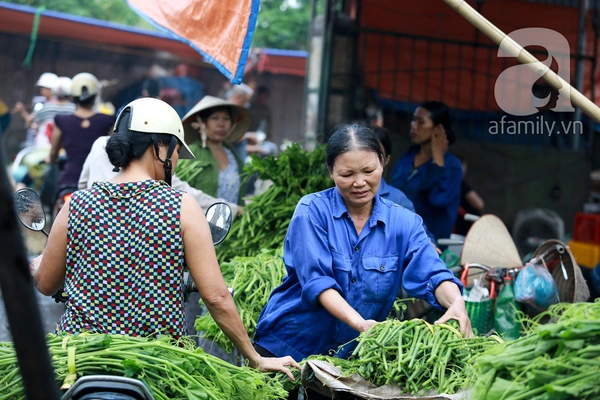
x=516, y=50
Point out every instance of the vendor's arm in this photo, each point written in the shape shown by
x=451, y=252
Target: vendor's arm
x=426, y=277
x=335, y=304
x=50, y=276
x=308, y=246
x=202, y=262
x=203, y=199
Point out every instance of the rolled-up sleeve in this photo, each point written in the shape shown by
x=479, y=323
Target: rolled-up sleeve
x=445, y=184
x=424, y=271
x=307, y=251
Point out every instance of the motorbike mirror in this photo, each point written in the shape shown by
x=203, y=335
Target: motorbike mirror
x=219, y=217
x=29, y=209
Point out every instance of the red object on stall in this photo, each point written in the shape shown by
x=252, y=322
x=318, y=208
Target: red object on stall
x=587, y=228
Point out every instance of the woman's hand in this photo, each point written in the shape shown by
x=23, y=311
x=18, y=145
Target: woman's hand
x=282, y=364
x=439, y=146
x=458, y=312
x=367, y=324
x=448, y=295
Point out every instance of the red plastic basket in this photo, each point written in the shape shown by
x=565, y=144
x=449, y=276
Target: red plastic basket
x=587, y=228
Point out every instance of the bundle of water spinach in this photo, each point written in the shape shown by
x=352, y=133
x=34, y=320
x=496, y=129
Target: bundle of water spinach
x=172, y=369
x=558, y=360
x=418, y=356
x=295, y=172
x=252, y=279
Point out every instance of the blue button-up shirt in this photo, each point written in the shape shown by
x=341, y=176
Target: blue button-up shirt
x=395, y=195
x=434, y=190
x=323, y=251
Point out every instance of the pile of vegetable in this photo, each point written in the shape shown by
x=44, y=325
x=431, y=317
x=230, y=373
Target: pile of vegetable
x=558, y=360
x=295, y=172
x=415, y=355
x=171, y=369
x=252, y=279
x=418, y=356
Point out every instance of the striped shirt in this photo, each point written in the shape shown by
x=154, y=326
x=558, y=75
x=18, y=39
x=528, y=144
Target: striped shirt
x=51, y=109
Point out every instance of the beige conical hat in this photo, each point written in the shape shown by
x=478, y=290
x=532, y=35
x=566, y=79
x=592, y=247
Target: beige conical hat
x=241, y=119
x=488, y=242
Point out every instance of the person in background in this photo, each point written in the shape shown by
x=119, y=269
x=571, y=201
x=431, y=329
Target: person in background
x=347, y=251
x=241, y=95
x=45, y=83
x=387, y=191
x=210, y=127
x=150, y=88
x=261, y=113
x=427, y=173
x=77, y=132
x=470, y=203
x=60, y=104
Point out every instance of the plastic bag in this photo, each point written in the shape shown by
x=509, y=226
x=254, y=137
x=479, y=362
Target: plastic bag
x=536, y=287
x=480, y=308
x=506, y=323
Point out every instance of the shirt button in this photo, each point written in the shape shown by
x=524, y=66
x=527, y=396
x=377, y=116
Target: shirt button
x=382, y=268
x=356, y=248
x=353, y=280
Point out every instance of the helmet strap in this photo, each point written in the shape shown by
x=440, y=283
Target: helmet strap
x=167, y=161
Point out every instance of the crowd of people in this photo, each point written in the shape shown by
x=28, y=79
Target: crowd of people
x=146, y=174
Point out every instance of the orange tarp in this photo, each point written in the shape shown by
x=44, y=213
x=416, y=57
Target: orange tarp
x=220, y=29
x=463, y=76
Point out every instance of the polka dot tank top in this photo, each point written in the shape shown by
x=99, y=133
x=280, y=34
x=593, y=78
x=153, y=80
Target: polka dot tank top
x=125, y=260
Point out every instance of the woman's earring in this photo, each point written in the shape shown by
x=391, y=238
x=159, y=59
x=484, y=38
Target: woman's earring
x=199, y=126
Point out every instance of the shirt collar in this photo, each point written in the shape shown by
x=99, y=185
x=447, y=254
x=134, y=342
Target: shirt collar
x=379, y=213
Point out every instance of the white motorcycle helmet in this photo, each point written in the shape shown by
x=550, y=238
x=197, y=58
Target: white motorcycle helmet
x=47, y=80
x=63, y=87
x=154, y=116
x=84, y=86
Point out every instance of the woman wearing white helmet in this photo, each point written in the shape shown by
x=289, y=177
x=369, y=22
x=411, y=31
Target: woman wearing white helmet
x=45, y=83
x=58, y=105
x=119, y=248
x=77, y=132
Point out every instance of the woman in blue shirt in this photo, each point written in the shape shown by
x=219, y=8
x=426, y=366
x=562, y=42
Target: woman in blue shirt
x=427, y=173
x=347, y=251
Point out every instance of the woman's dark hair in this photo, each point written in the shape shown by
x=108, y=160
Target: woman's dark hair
x=440, y=114
x=204, y=114
x=346, y=138
x=152, y=86
x=125, y=146
x=383, y=136
x=88, y=102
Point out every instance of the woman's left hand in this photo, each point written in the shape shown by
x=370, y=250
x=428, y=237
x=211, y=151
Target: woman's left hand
x=458, y=311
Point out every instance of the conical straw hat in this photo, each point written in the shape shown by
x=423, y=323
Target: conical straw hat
x=241, y=119
x=488, y=242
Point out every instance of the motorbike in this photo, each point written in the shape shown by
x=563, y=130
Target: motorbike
x=30, y=213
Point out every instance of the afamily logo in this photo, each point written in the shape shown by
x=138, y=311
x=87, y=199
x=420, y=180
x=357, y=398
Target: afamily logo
x=538, y=126
x=514, y=87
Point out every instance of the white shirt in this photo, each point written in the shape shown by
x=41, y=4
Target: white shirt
x=97, y=167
